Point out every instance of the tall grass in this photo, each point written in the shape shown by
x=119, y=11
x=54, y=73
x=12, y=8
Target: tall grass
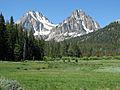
x=83, y=74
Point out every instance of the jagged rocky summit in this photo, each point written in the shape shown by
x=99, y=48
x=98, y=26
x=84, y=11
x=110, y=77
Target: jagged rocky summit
x=36, y=22
x=79, y=23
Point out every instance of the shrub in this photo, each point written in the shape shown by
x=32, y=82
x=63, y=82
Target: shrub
x=107, y=57
x=91, y=58
x=73, y=58
x=46, y=58
x=9, y=85
x=76, y=60
x=64, y=59
x=94, y=58
x=85, y=58
x=117, y=57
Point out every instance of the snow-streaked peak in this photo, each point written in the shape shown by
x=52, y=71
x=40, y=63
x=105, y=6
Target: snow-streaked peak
x=118, y=20
x=37, y=22
x=41, y=18
x=77, y=24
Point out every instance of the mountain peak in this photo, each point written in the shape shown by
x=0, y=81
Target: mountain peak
x=31, y=12
x=79, y=23
x=78, y=13
x=37, y=22
x=118, y=20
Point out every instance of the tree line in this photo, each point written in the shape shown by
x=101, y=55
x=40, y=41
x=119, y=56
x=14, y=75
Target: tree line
x=17, y=43
x=103, y=42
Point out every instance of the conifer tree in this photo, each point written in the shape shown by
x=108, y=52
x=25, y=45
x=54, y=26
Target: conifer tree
x=3, y=39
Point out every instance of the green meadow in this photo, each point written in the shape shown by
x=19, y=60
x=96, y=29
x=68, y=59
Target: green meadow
x=64, y=75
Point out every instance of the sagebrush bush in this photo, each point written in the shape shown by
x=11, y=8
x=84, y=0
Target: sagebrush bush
x=9, y=85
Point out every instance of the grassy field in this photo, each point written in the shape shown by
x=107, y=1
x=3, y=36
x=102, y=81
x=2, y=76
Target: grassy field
x=59, y=75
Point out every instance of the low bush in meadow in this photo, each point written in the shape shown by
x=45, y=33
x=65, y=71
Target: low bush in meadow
x=9, y=85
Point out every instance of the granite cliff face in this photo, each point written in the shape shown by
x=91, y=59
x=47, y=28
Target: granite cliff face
x=36, y=22
x=76, y=25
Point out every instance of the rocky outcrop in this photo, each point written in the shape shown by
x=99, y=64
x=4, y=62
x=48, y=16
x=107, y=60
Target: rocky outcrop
x=76, y=25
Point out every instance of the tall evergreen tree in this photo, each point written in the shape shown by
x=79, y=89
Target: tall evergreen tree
x=11, y=37
x=3, y=39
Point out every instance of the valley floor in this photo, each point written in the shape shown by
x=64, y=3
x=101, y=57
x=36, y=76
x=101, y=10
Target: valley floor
x=59, y=75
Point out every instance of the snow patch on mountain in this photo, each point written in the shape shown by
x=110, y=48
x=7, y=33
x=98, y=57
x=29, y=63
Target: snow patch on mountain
x=75, y=25
x=37, y=22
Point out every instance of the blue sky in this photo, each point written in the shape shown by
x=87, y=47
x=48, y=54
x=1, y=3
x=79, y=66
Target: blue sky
x=103, y=11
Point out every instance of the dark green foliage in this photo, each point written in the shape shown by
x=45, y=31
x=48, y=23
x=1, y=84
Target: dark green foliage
x=62, y=49
x=104, y=42
x=53, y=49
x=17, y=44
x=3, y=39
x=12, y=35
